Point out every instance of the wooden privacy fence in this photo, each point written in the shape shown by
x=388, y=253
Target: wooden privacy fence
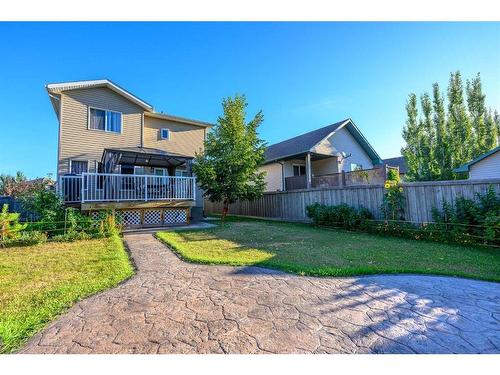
x=421, y=197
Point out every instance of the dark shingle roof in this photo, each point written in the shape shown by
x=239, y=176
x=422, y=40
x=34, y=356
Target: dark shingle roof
x=398, y=161
x=300, y=144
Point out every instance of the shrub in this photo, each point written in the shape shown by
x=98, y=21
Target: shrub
x=109, y=225
x=9, y=225
x=61, y=222
x=471, y=220
x=26, y=238
x=465, y=222
x=341, y=215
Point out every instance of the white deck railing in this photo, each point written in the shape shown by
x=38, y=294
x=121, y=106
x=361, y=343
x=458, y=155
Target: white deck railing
x=109, y=187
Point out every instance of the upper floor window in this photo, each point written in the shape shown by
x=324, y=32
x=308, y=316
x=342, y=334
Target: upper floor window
x=108, y=121
x=164, y=133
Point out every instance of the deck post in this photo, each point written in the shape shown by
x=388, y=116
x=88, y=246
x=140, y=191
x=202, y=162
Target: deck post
x=146, y=188
x=82, y=198
x=194, y=188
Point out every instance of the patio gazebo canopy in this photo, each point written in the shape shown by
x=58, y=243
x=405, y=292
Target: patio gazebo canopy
x=142, y=156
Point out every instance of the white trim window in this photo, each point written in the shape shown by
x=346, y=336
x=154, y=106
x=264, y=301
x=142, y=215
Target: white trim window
x=165, y=133
x=299, y=169
x=160, y=172
x=105, y=120
x=78, y=166
x=181, y=171
x=139, y=170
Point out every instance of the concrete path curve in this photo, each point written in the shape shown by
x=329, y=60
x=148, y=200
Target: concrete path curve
x=171, y=306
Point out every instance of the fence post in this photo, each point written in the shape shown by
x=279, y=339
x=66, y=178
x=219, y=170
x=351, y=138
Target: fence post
x=343, y=178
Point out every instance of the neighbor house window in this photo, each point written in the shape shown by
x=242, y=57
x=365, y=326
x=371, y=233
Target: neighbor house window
x=299, y=170
x=164, y=133
x=79, y=166
x=108, y=121
x=356, y=167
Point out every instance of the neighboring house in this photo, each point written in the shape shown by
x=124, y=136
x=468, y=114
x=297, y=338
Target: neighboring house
x=116, y=152
x=296, y=162
x=485, y=166
x=397, y=162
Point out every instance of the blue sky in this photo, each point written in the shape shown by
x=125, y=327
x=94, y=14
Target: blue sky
x=302, y=75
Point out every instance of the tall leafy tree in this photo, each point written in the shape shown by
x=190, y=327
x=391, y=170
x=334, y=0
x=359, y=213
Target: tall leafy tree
x=460, y=129
x=491, y=128
x=428, y=139
x=411, y=151
x=496, y=119
x=441, y=154
x=227, y=169
x=440, y=140
x=477, y=110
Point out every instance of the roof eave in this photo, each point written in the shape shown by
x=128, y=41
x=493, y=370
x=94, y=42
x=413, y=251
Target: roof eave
x=462, y=168
x=184, y=120
x=466, y=167
x=82, y=85
x=375, y=157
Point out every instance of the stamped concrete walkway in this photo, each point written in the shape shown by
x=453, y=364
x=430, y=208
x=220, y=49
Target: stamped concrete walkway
x=174, y=307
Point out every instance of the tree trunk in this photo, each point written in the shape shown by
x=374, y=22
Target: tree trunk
x=225, y=208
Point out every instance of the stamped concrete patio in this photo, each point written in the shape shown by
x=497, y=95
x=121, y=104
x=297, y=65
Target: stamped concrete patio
x=175, y=307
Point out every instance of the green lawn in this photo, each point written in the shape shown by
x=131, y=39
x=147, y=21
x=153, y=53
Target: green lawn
x=39, y=282
x=306, y=250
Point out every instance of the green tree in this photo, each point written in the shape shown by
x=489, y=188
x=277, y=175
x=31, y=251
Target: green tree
x=491, y=130
x=411, y=151
x=440, y=140
x=227, y=169
x=496, y=118
x=459, y=126
x=441, y=154
x=429, y=163
x=476, y=105
x=9, y=184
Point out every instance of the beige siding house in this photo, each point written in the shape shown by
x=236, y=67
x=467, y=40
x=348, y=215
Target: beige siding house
x=116, y=152
x=485, y=166
x=298, y=162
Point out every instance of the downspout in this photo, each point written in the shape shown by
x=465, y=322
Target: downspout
x=142, y=129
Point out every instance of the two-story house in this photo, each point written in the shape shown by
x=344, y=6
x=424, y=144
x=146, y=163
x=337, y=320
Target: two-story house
x=116, y=152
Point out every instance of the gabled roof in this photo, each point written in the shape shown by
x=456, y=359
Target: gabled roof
x=466, y=166
x=306, y=142
x=398, y=161
x=54, y=89
x=66, y=86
